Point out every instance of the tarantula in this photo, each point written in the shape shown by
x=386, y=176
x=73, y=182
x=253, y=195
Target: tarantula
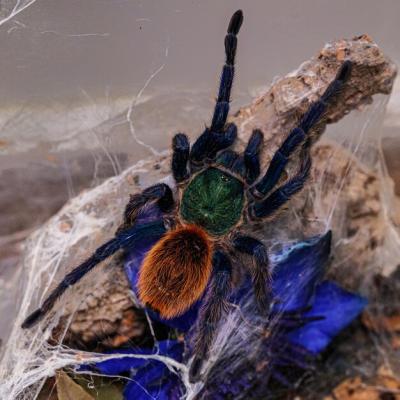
x=199, y=226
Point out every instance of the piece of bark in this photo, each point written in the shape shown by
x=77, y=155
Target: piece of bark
x=102, y=302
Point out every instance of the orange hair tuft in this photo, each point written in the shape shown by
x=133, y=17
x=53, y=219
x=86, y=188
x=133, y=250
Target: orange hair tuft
x=175, y=272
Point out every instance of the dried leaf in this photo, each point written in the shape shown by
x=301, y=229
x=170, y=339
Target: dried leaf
x=378, y=323
x=67, y=389
x=384, y=386
x=102, y=388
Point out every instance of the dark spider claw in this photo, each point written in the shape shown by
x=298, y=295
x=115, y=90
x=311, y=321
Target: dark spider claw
x=344, y=71
x=337, y=84
x=235, y=22
x=195, y=369
x=33, y=319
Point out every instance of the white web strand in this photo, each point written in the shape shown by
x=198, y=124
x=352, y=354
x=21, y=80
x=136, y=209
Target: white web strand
x=135, y=101
x=19, y=6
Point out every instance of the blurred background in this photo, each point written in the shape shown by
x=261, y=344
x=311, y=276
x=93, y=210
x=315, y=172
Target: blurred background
x=90, y=87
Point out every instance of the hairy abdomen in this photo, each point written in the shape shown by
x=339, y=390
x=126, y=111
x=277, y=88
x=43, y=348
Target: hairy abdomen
x=175, y=272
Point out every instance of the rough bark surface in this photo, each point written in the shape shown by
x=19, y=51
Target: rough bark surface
x=106, y=310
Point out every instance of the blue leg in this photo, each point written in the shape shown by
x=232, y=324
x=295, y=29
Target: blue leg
x=209, y=143
x=227, y=158
x=278, y=163
x=218, y=136
x=252, y=156
x=300, y=133
x=232, y=161
x=160, y=193
x=268, y=206
x=124, y=239
x=248, y=165
x=228, y=71
x=214, y=307
x=180, y=157
x=260, y=271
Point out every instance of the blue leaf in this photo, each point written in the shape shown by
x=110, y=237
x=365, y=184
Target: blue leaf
x=298, y=271
x=338, y=307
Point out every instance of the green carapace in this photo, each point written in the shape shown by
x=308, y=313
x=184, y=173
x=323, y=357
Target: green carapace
x=213, y=200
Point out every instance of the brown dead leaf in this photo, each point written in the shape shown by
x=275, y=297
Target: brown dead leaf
x=68, y=389
x=384, y=386
x=379, y=323
x=387, y=380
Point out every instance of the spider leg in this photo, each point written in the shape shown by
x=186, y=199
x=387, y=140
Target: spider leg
x=227, y=158
x=214, y=306
x=214, y=139
x=180, y=157
x=209, y=143
x=301, y=132
x=261, y=274
x=252, y=156
x=222, y=106
x=125, y=239
x=232, y=161
x=268, y=206
x=161, y=193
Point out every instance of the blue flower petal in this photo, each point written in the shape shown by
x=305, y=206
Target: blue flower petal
x=163, y=391
x=338, y=307
x=298, y=271
x=115, y=366
x=155, y=381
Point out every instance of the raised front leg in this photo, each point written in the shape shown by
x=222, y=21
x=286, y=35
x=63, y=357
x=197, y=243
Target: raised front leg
x=219, y=136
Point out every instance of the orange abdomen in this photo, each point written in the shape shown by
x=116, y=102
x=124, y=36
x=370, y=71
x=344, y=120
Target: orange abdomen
x=175, y=272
